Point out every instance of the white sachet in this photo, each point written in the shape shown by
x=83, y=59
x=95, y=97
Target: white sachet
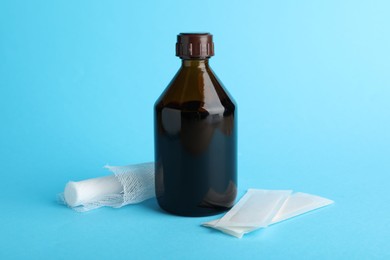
x=254, y=210
x=296, y=204
x=299, y=203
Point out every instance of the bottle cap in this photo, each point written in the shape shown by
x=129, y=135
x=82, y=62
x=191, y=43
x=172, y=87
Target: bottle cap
x=194, y=45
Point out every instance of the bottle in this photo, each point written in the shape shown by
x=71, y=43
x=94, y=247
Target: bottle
x=195, y=122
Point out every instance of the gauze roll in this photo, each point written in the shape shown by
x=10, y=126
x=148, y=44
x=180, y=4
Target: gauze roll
x=128, y=185
x=82, y=192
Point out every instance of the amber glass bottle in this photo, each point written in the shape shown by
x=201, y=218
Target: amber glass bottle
x=195, y=135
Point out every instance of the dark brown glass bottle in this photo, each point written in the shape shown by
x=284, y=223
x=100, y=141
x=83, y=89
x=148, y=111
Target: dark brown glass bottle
x=195, y=136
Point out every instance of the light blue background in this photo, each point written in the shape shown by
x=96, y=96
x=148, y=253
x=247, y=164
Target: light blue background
x=78, y=80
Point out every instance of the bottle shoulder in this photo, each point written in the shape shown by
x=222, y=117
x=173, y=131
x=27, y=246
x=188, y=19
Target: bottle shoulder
x=196, y=90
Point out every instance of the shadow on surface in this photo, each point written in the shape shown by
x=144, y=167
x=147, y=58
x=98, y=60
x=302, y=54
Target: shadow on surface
x=152, y=205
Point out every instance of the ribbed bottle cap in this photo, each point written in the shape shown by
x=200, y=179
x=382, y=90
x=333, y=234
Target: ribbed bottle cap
x=194, y=45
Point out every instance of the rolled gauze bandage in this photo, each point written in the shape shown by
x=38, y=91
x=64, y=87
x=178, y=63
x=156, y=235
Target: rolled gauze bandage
x=129, y=184
x=81, y=192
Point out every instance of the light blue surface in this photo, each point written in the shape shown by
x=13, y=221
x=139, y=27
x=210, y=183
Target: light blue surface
x=78, y=80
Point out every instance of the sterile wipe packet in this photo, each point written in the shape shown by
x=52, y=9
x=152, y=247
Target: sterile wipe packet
x=255, y=209
x=296, y=204
x=238, y=232
x=299, y=203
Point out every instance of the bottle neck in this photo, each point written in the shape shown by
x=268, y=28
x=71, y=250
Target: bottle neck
x=195, y=63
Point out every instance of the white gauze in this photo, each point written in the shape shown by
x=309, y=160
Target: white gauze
x=128, y=185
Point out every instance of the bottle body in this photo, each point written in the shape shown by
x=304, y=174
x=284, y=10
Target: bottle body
x=195, y=143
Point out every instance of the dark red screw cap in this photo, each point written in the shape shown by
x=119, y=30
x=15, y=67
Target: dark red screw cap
x=194, y=45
